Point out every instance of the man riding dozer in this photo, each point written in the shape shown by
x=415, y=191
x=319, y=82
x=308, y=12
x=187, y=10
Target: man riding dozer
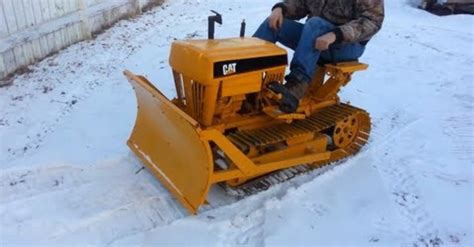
x=237, y=120
x=344, y=25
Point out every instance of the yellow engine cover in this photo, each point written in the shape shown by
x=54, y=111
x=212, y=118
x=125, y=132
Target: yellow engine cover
x=208, y=61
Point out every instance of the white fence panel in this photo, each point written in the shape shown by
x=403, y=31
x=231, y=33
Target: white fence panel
x=3, y=23
x=2, y=66
x=9, y=16
x=32, y=29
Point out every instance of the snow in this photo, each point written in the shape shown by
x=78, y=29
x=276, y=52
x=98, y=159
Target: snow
x=68, y=178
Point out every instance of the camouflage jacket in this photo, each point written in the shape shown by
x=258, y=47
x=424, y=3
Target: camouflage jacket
x=357, y=20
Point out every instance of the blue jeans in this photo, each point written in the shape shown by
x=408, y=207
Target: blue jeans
x=301, y=38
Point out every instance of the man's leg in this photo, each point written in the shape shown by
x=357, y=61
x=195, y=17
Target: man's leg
x=303, y=65
x=342, y=53
x=306, y=55
x=289, y=33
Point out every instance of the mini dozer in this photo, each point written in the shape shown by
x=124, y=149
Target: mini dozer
x=224, y=126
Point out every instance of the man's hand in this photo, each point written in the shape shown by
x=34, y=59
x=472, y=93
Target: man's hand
x=276, y=19
x=322, y=43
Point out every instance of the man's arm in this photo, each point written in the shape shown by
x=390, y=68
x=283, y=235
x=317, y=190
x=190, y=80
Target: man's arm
x=293, y=9
x=369, y=22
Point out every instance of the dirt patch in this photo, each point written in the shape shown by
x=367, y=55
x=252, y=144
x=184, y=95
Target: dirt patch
x=151, y=4
x=436, y=8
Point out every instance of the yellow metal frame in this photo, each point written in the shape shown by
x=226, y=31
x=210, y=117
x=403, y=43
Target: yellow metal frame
x=175, y=139
x=245, y=167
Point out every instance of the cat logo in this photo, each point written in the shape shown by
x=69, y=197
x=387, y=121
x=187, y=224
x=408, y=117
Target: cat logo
x=229, y=69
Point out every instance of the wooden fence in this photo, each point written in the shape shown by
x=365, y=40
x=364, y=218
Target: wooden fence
x=33, y=29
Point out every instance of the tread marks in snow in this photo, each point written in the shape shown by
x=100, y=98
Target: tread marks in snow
x=418, y=227
x=107, y=197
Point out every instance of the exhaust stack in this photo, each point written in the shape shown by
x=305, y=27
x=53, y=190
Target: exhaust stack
x=211, y=22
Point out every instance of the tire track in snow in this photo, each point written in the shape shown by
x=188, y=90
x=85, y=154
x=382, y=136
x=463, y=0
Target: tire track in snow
x=246, y=229
x=419, y=226
x=108, y=198
x=459, y=125
x=128, y=219
x=19, y=185
x=243, y=220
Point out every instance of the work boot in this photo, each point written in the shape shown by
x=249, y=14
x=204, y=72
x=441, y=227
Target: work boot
x=292, y=92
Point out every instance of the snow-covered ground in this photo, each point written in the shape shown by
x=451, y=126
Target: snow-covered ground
x=67, y=177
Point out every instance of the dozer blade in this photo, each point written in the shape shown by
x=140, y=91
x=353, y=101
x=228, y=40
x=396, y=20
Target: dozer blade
x=167, y=141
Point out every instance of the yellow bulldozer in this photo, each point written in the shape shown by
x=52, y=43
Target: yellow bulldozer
x=203, y=137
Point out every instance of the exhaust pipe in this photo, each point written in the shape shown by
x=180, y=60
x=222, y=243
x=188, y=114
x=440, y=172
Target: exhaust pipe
x=242, y=28
x=211, y=22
